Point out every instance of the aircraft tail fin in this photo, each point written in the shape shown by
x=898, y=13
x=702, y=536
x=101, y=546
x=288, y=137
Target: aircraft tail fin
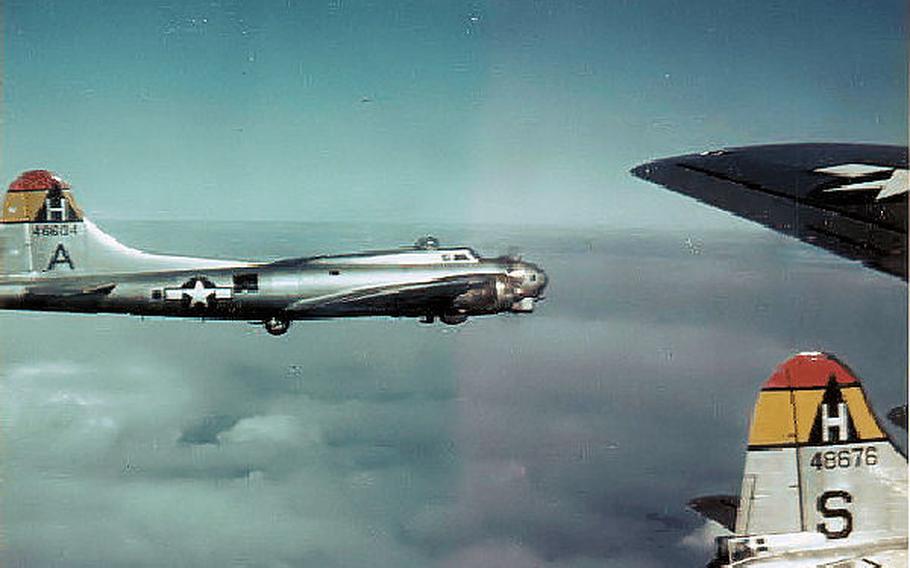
x=818, y=458
x=44, y=232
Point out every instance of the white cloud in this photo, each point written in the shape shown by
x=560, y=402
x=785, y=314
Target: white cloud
x=274, y=428
x=702, y=538
x=572, y=437
x=493, y=553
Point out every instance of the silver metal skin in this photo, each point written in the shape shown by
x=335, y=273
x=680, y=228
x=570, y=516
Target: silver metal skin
x=421, y=281
x=53, y=258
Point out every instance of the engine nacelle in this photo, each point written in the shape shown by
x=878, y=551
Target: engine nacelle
x=495, y=296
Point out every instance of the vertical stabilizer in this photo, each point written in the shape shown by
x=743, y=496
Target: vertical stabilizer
x=44, y=233
x=819, y=460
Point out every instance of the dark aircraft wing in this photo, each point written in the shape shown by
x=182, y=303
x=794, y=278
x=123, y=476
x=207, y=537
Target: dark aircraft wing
x=408, y=299
x=850, y=199
x=719, y=508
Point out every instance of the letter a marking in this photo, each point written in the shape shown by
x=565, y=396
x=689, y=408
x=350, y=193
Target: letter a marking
x=60, y=257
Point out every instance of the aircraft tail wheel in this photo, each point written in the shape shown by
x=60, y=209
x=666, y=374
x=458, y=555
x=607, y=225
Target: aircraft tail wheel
x=277, y=326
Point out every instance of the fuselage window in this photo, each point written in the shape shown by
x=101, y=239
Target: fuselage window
x=246, y=283
x=334, y=272
x=157, y=294
x=446, y=257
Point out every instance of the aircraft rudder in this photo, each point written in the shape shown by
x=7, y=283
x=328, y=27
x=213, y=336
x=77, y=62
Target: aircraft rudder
x=817, y=454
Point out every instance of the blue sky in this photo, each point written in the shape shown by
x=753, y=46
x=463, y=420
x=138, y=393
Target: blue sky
x=518, y=112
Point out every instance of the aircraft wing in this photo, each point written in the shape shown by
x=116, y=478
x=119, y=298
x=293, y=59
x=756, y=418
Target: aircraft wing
x=850, y=199
x=407, y=299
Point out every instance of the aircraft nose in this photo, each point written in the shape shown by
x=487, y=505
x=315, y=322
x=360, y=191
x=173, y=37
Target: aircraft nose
x=535, y=281
x=530, y=281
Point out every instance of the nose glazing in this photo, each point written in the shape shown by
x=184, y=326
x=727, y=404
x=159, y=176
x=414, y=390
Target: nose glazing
x=541, y=280
x=536, y=280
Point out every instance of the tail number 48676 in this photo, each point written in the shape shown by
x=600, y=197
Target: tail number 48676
x=843, y=459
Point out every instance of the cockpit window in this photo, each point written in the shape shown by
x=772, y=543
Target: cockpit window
x=461, y=256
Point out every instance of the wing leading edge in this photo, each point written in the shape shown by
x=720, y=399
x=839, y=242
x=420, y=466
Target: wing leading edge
x=850, y=199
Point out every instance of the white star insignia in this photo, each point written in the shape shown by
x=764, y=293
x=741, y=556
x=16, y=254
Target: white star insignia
x=202, y=293
x=898, y=183
x=199, y=295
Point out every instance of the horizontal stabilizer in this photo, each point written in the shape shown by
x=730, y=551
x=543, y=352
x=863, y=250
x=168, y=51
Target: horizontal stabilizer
x=898, y=416
x=718, y=508
x=58, y=291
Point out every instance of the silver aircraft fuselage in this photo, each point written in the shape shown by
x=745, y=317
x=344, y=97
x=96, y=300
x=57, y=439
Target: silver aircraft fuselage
x=53, y=258
x=424, y=282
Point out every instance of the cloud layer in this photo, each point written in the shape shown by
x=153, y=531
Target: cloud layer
x=572, y=437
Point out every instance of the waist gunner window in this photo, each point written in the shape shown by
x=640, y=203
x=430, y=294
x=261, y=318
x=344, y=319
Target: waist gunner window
x=246, y=283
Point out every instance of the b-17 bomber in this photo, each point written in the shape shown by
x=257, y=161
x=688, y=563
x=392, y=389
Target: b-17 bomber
x=52, y=258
